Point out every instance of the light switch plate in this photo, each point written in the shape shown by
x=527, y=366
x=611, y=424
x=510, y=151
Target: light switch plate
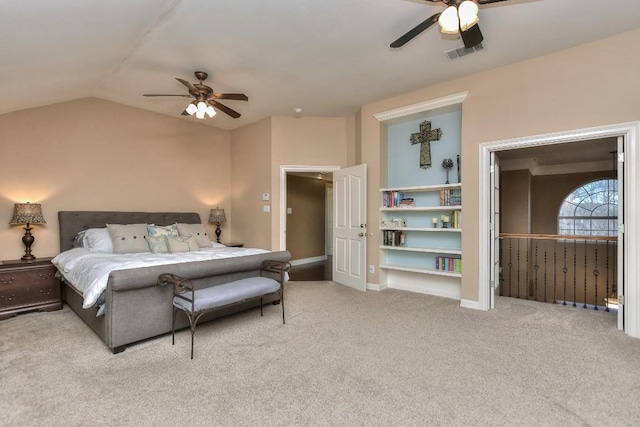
x=265, y=197
x=266, y=208
x=289, y=211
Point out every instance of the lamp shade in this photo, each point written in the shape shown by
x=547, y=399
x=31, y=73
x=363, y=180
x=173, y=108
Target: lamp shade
x=191, y=109
x=468, y=13
x=449, y=21
x=217, y=216
x=27, y=213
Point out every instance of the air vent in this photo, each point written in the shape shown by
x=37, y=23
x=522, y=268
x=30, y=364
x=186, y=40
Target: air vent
x=463, y=51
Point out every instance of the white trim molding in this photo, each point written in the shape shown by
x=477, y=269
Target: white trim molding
x=421, y=107
x=304, y=261
x=376, y=287
x=465, y=303
x=631, y=187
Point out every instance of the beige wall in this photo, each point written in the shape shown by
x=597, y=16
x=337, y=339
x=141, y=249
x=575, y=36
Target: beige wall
x=313, y=141
x=91, y=154
x=591, y=85
x=549, y=191
x=306, y=223
x=260, y=149
x=515, y=201
x=250, y=178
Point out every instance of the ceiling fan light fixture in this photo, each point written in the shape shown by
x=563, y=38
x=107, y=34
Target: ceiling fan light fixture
x=468, y=14
x=210, y=111
x=448, y=21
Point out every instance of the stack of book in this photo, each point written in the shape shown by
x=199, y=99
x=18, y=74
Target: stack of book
x=406, y=202
x=393, y=238
x=451, y=197
x=449, y=264
x=391, y=199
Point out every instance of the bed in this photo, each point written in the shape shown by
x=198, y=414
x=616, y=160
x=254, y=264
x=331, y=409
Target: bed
x=133, y=306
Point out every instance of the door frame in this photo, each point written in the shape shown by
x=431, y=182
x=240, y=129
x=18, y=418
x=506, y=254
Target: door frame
x=631, y=133
x=284, y=169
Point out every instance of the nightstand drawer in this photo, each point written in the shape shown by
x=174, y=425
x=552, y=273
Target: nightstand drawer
x=28, y=286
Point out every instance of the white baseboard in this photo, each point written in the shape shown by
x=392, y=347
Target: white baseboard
x=308, y=260
x=375, y=287
x=465, y=303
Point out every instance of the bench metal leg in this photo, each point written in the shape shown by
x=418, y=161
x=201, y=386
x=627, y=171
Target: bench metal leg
x=173, y=327
x=282, y=304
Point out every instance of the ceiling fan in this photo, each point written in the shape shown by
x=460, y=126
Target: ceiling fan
x=205, y=99
x=459, y=16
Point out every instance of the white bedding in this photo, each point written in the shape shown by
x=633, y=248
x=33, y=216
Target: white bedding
x=88, y=271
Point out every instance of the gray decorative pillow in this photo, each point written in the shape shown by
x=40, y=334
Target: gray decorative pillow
x=196, y=230
x=182, y=244
x=158, y=244
x=128, y=238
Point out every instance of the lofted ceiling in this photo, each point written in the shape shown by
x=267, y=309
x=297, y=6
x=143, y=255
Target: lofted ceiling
x=326, y=57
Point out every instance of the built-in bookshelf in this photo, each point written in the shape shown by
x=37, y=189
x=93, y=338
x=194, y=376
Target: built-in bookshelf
x=421, y=229
x=420, y=240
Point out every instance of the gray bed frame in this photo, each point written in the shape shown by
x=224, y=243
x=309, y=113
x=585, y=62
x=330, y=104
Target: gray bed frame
x=136, y=307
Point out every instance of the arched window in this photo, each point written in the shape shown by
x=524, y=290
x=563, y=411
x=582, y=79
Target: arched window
x=590, y=210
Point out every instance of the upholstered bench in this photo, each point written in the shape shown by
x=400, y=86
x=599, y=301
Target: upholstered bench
x=196, y=302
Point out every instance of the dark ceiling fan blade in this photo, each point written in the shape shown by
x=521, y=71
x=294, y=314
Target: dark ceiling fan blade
x=472, y=36
x=161, y=94
x=234, y=96
x=224, y=108
x=184, y=113
x=415, y=31
x=191, y=87
x=489, y=1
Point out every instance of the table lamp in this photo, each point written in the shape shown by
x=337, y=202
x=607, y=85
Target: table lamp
x=217, y=217
x=27, y=213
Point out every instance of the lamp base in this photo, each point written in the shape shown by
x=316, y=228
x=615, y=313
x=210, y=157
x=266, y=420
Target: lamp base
x=27, y=239
x=218, y=232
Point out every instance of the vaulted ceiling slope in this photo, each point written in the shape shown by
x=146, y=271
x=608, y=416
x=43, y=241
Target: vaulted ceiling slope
x=327, y=57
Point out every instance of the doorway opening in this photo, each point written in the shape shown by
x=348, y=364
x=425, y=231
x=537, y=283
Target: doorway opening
x=307, y=220
x=558, y=224
x=628, y=137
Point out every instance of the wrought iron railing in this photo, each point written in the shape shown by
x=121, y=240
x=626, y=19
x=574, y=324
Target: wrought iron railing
x=578, y=271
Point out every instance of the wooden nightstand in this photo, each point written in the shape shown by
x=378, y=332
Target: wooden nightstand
x=27, y=286
x=234, y=245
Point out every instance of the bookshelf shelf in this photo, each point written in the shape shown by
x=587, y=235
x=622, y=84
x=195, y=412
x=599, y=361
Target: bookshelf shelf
x=424, y=229
x=420, y=270
x=423, y=188
x=425, y=250
x=423, y=209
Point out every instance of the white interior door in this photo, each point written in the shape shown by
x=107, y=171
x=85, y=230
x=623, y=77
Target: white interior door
x=494, y=230
x=349, y=226
x=621, y=235
x=329, y=221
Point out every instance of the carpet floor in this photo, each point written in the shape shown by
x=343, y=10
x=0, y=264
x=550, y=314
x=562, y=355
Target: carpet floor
x=389, y=358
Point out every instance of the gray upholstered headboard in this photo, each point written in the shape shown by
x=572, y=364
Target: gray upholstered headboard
x=73, y=222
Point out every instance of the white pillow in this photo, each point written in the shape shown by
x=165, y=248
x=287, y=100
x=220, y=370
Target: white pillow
x=128, y=238
x=97, y=239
